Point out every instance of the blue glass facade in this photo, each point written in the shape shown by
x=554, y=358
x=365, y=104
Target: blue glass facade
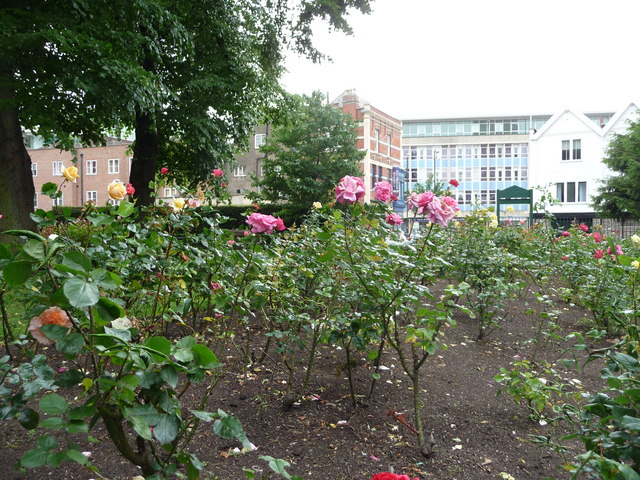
x=470, y=127
x=481, y=169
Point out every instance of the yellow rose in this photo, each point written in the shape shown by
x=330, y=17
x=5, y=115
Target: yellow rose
x=70, y=173
x=117, y=190
x=635, y=264
x=635, y=239
x=510, y=209
x=316, y=205
x=178, y=203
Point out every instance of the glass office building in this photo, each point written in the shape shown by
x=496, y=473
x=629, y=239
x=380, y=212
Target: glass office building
x=484, y=155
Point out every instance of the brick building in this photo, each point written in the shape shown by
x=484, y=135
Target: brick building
x=97, y=167
x=379, y=134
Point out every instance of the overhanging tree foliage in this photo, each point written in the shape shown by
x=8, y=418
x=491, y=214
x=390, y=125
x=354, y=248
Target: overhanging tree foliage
x=619, y=195
x=306, y=156
x=193, y=77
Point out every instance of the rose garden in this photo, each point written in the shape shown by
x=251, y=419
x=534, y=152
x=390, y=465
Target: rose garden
x=126, y=324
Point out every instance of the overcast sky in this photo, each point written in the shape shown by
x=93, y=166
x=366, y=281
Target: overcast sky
x=434, y=58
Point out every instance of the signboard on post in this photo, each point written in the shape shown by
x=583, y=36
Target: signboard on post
x=398, y=182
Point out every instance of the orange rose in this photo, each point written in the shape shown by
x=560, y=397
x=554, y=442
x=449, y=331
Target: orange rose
x=51, y=316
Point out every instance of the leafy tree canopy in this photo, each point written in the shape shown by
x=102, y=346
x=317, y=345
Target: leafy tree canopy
x=619, y=195
x=307, y=154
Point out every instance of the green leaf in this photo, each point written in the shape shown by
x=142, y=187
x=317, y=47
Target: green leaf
x=35, y=249
x=34, y=458
x=278, y=465
x=71, y=344
x=160, y=345
x=204, y=416
x=52, y=423
x=101, y=219
x=80, y=292
x=77, y=426
x=70, y=378
x=204, y=357
x=78, y=413
x=53, y=331
x=16, y=273
x=77, y=261
x=125, y=208
x=141, y=427
x=46, y=442
x=53, y=404
x=108, y=310
x=29, y=418
x=169, y=375
x=626, y=361
x=167, y=429
x=77, y=457
x=228, y=426
x=630, y=423
x=25, y=233
x=49, y=189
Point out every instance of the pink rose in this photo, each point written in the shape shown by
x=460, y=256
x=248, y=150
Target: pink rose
x=260, y=223
x=164, y=170
x=453, y=182
x=215, y=286
x=565, y=233
x=217, y=172
x=51, y=316
x=599, y=254
x=394, y=219
x=565, y=258
x=597, y=237
x=583, y=227
x=412, y=201
x=618, y=250
x=130, y=189
x=440, y=212
x=383, y=191
x=423, y=200
x=350, y=190
x=194, y=203
x=390, y=476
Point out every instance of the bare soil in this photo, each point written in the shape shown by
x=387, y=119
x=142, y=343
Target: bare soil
x=478, y=435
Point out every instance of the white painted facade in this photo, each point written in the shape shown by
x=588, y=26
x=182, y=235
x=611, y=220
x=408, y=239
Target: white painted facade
x=566, y=157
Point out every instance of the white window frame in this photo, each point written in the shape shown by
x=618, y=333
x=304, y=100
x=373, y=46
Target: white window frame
x=35, y=200
x=57, y=168
x=113, y=166
x=259, y=140
x=91, y=196
x=34, y=169
x=91, y=167
x=240, y=171
x=58, y=201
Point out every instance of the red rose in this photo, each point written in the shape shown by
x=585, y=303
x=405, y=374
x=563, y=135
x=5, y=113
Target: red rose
x=390, y=476
x=454, y=182
x=130, y=189
x=164, y=170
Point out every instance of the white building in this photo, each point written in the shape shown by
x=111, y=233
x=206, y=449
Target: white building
x=566, y=156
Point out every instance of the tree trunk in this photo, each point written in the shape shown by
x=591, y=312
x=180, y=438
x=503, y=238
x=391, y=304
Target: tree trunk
x=145, y=157
x=16, y=182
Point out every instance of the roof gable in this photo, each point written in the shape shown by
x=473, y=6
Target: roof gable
x=556, y=118
x=630, y=112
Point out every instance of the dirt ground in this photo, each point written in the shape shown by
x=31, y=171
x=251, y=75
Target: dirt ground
x=478, y=435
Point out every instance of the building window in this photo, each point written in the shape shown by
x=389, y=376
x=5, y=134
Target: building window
x=170, y=192
x=92, y=196
x=240, y=171
x=260, y=139
x=34, y=169
x=57, y=169
x=560, y=192
x=113, y=165
x=571, y=191
x=572, y=149
x=377, y=139
x=582, y=191
x=577, y=149
x=35, y=200
x=565, y=150
x=58, y=201
x=92, y=167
